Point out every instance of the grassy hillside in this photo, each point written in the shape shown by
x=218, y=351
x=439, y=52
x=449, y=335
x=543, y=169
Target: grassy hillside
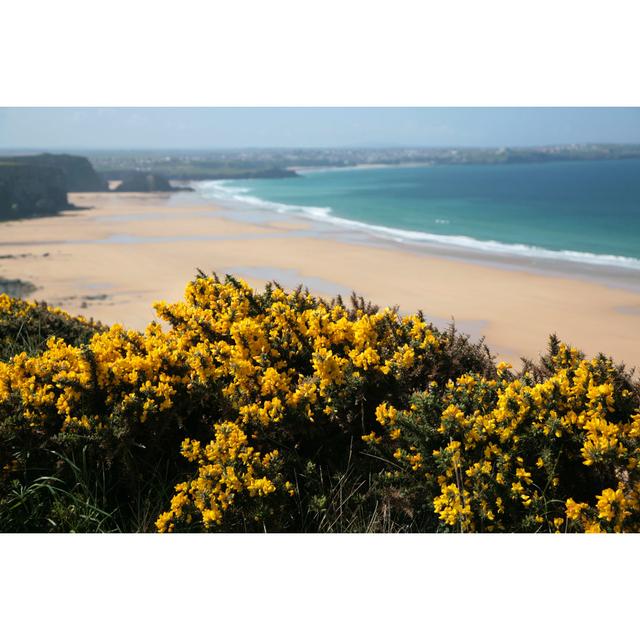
x=278, y=411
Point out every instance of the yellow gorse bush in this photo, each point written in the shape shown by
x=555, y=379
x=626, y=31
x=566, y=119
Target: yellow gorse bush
x=511, y=454
x=18, y=308
x=274, y=364
x=283, y=366
x=25, y=325
x=244, y=391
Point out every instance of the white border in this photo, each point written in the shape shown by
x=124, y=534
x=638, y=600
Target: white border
x=315, y=586
x=320, y=53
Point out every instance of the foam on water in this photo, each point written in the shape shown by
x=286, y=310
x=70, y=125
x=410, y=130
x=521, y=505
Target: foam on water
x=222, y=190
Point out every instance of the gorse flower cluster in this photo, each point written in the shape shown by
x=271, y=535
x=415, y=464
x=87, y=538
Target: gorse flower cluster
x=288, y=367
x=253, y=403
x=25, y=326
x=520, y=454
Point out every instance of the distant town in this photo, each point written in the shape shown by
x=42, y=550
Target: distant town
x=193, y=165
x=282, y=162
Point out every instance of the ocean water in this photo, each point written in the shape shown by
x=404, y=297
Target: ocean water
x=575, y=211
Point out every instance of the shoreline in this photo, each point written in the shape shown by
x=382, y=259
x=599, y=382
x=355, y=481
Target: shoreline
x=113, y=260
x=598, y=268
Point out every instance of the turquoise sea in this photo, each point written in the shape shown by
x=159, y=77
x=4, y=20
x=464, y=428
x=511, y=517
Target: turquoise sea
x=576, y=211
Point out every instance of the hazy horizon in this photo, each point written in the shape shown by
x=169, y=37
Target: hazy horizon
x=160, y=150
x=224, y=128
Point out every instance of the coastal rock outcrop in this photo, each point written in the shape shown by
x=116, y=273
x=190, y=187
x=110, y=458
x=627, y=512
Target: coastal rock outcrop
x=79, y=174
x=146, y=182
x=28, y=189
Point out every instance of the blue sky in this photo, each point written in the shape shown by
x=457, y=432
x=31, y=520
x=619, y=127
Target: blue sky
x=192, y=128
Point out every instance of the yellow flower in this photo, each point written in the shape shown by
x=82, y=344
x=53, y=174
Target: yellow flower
x=372, y=437
x=386, y=414
x=451, y=508
x=574, y=509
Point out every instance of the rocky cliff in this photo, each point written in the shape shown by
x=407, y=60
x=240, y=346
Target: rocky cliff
x=78, y=172
x=31, y=189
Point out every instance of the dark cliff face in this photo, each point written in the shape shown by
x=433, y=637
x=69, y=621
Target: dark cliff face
x=31, y=190
x=78, y=172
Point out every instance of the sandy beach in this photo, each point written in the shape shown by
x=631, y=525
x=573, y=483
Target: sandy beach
x=121, y=252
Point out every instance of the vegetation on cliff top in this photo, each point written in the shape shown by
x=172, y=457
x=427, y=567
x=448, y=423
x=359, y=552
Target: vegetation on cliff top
x=278, y=411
